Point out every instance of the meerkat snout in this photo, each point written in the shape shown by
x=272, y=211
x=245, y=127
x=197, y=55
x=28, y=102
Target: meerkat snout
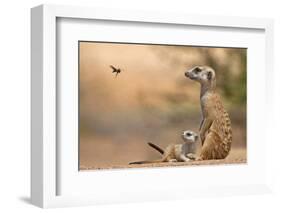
x=189, y=136
x=188, y=74
x=192, y=72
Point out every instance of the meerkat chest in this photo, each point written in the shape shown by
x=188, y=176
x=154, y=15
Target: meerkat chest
x=207, y=104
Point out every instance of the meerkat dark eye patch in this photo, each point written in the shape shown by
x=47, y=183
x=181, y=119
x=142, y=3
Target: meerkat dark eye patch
x=197, y=70
x=209, y=75
x=188, y=134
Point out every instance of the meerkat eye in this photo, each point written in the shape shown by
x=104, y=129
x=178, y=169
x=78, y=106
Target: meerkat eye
x=188, y=134
x=197, y=70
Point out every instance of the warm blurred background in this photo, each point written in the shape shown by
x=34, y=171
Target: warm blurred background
x=151, y=99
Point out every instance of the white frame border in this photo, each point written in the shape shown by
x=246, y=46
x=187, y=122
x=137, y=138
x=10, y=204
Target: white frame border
x=43, y=88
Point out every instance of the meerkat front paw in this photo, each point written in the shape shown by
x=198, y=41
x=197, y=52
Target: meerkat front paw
x=191, y=156
x=183, y=158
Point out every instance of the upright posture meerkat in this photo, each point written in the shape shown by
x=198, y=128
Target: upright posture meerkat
x=215, y=128
x=176, y=152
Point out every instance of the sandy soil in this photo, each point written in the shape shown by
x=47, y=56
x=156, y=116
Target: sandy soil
x=237, y=156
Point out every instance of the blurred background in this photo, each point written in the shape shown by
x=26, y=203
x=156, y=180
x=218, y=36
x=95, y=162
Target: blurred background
x=151, y=100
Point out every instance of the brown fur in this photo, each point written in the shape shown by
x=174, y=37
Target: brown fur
x=218, y=139
x=215, y=129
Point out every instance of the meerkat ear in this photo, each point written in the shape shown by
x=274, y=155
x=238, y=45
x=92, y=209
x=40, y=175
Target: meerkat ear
x=209, y=75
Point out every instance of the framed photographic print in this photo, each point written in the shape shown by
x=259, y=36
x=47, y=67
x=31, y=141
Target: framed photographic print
x=130, y=106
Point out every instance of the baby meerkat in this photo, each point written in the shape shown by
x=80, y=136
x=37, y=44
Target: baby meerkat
x=176, y=152
x=215, y=128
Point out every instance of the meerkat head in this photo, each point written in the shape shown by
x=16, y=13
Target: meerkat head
x=189, y=136
x=202, y=74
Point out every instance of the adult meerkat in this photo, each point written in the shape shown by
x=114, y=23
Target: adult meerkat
x=215, y=128
x=176, y=152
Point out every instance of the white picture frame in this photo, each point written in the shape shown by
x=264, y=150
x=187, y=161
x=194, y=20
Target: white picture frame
x=46, y=171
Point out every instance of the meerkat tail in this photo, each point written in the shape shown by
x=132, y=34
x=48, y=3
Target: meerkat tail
x=156, y=147
x=144, y=162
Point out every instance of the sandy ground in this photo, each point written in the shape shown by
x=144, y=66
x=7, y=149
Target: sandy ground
x=98, y=153
x=236, y=156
